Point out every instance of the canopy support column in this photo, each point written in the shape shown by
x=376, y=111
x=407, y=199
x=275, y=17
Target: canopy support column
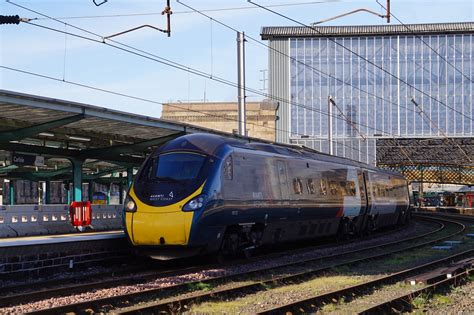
x=48, y=192
x=68, y=192
x=77, y=179
x=129, y=176
x=109, y=188
x=90, y=191
x=11, y=192
x=121, y=188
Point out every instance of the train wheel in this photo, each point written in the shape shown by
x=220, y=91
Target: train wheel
x=344, y=229
x=401, y=219
x=230, y=246
x=370, y=226
x=248, y=252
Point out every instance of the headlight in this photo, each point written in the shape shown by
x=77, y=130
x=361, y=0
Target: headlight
x=130, y=205
x=195, y=204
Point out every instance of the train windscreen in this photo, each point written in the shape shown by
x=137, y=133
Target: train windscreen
x=178, y=166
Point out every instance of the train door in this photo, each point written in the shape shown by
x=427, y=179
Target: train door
x=283, y=180
x=369, y=202
x=369, y=193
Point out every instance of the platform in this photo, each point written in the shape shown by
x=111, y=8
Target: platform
x=33, y=256
x=456, y=210
x=62, y=238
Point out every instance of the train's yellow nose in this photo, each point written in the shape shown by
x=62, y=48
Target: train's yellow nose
x=170, y=228
x=167, y=225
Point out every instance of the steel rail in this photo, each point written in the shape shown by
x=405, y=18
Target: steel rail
x=457, y=216
x=74, y=287
x=99, y=284
x=125, y=300
x=18, y=287
x=312, y=304
x=178, y=303
x=403, y=303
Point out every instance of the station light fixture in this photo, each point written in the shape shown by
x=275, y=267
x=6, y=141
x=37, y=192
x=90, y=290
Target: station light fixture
x=79, y=138
x=46, y=134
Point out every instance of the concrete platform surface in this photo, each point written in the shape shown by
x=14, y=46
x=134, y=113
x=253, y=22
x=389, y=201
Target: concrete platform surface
x=61, y=238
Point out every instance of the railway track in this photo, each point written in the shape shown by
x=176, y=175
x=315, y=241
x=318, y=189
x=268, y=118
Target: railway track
x=169, y=303
x=445, y=277
x=400, y=303
x=403, y=303
x=23, y=293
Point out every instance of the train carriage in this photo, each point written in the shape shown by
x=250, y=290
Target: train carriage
x=204, y=193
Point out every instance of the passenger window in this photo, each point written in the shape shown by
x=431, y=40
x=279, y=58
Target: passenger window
x=353, y=189
x=311, y=186
x=333, y=188
x=323, y=187
x=350, y=189
x=297, y=186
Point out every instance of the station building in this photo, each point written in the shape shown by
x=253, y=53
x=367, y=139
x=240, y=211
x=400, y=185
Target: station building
x=223, y=116
x=309, y=65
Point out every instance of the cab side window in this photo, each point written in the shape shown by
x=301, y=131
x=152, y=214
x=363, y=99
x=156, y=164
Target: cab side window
x=228, y=168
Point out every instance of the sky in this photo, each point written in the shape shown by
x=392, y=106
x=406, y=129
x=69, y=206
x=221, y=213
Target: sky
x=196, y=42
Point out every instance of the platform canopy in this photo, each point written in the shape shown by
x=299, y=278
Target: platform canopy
x=40, y=138
x=435, y=160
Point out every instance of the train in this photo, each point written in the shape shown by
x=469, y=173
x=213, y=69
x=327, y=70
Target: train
x=206, y=193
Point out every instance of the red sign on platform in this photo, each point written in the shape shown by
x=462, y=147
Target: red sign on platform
x=81, y=213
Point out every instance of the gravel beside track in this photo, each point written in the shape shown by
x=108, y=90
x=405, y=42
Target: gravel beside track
x=459, y=301
x=262, y=300
x=364, y=302
x=413, y=229
x=274, y=297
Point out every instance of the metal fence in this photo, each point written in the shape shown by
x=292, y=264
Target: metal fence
x=30, y=220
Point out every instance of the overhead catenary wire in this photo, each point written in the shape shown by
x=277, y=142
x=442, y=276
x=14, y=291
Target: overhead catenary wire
x=320, y=72
x=188, y=12
x=188, y=69
x=311, y=109
x=194, y=71
x=142, y=99
x=431, y=122
x=65, y=52
x=169, y=62
x=333, y=102
x=359, y=56
x=317, y=70
x=381, y=68
x=306, y=65
x=349, y=121
x=426, y=44
x=202, y=74
x=314, y=69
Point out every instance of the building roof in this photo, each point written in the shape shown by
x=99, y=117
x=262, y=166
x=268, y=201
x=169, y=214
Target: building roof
x=273, y=32
x=61, y=130
x=429, y=159
x=202, y=108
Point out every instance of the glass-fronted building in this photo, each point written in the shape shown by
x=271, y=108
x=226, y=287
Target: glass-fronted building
x=375, y=75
